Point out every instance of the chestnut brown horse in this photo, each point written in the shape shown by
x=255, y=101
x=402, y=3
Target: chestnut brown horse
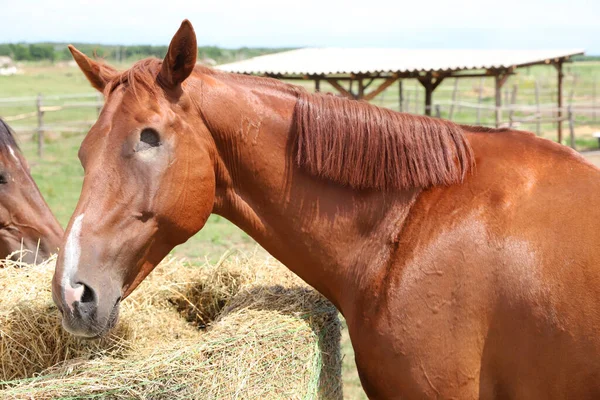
x=28, y=230
x=465, y=260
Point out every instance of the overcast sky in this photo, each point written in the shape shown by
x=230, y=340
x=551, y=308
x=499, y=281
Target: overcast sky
x=541, y=24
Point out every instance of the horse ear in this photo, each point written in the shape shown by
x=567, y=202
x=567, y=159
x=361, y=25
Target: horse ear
x=98, y=74
x=181, y=56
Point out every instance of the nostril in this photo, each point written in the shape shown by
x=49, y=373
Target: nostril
x=145, y=216
x=88, y=295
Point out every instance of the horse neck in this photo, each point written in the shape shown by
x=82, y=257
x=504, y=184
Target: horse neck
x=329, y=235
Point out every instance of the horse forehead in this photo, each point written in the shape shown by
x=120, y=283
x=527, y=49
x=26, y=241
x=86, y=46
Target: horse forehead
x=128, y=107
x=120, y=118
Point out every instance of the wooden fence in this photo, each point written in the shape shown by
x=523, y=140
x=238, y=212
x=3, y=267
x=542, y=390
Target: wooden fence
x=529, y=104
x=522, y=108
x=536, y=116
x=42, y=106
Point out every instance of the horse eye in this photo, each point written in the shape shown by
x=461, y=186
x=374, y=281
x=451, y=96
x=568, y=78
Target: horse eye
x=3, y=180
x=149, y=138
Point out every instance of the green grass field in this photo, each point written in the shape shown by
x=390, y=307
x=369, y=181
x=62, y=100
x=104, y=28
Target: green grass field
x=59, y=174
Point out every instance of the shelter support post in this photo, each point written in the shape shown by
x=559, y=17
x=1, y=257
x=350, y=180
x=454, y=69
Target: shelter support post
x=428, y=97
x=400, y=96
x=343, y=91
x=317, y=85
x=361, y=89
x=375, y=92
x=559, y=69
x=370, y=82
x=430, y=82
x=500, y=79
x=362, y=93
x=40, y=130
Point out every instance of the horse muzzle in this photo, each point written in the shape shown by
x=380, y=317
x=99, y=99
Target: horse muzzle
x=86, y=312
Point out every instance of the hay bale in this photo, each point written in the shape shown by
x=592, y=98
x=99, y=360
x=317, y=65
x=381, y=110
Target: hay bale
x=243, y=328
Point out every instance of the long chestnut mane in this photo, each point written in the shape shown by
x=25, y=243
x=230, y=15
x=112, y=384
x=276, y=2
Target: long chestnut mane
x=351, y=142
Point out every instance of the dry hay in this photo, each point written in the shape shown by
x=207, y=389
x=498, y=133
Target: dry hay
x=244, y=328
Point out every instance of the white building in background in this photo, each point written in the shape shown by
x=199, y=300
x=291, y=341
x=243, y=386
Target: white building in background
x=7, y=66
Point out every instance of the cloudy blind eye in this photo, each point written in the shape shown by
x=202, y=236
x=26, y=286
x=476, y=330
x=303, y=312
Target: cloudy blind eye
x=149, y=138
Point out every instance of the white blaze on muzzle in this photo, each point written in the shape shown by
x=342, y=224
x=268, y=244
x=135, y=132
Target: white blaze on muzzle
x=71, y=261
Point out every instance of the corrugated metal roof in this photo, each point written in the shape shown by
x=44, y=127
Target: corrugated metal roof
x=329, y=61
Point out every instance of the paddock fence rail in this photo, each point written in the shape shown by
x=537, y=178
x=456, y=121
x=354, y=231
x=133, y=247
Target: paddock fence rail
x=41, y=118
x=525, y=105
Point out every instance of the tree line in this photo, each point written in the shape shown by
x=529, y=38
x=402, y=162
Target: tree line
x=118, y=53
x=60, y=52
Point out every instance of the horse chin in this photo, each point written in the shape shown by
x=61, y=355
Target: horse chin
x=92, y=330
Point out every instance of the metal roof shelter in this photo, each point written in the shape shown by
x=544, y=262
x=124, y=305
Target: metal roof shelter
x=429, y=67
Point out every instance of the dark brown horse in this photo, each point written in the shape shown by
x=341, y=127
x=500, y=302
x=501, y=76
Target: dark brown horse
x=26, y=222
x=465, y=260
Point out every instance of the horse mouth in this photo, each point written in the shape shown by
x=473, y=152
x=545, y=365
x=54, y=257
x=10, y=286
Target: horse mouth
x=90, y=330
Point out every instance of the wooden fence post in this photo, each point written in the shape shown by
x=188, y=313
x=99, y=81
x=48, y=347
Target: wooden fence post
x=417, y=100
x=572, y=93
x=594, y=98
x=538, y=126
x=451, y=111
x=571, y=127
x=400, y=95
x=479, y=101
x=438, y=112
x=99, y=103
x=40, y=130
x=500, y=79
x=513, y=101
x=559, y=99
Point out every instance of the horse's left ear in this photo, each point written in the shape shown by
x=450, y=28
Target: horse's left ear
x=99, y=74
x=181, y=56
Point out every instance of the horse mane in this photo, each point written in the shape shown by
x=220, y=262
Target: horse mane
x=346, y=141
x=483, y=129
x=368, y=147
x=7, y=138
x=141, y=75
